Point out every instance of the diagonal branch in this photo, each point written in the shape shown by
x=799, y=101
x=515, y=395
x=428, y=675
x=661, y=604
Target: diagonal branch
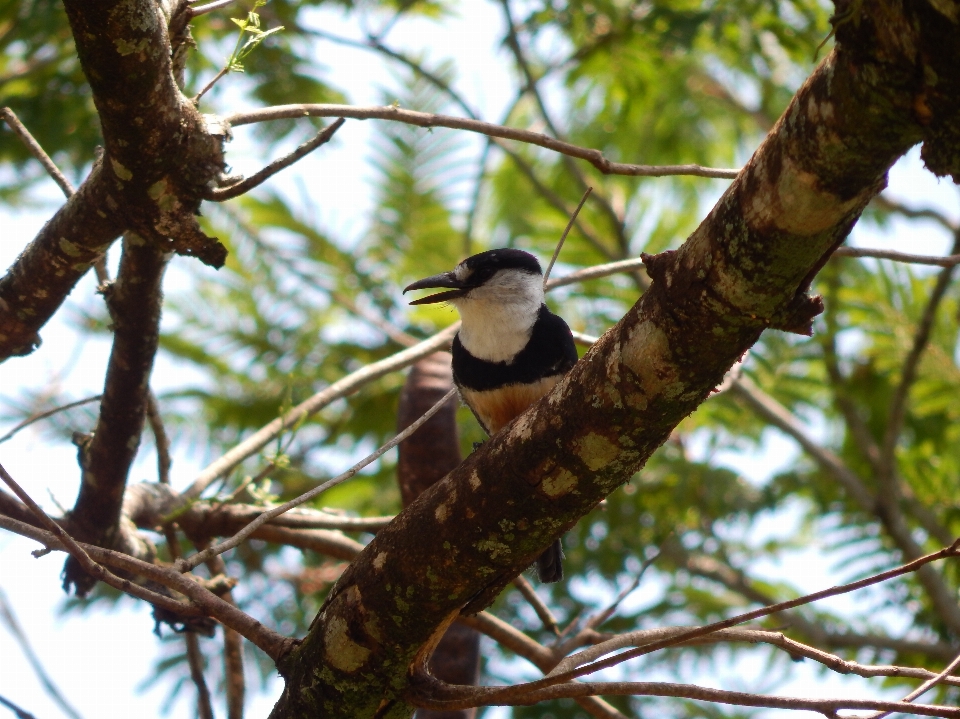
x=221, y=194
x=341, y=388
x=891, y=518
x=898, y=404
x=200, y=557
x=36, y=150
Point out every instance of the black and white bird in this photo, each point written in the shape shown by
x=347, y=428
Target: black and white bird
x=510, y=351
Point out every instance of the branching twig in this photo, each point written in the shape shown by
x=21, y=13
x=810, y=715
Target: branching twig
x=187, y=564
x=61, y=539
x=221, y=194
x=775, y=413
x=941, y=678
x=426, y=119
x=898, y=405
x=507, y=694
x=203, y=601
x=534, y=652
x=19, y=711
x=48, y=413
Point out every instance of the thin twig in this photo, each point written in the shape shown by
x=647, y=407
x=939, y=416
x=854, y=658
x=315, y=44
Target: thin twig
x=36, y=150
x=542, y=610
x=19, y=711
x=195, y=662
x=532, y=87
x=79, y=552
x=890, y=205
x=534, y=652
x=209, y=86
x=187, y=564
x=232, y=651
x=448, y=697
x=563, y=237
x=592, y=273
x=942, y=677
x=221, y=194
x=191, y=640
x=898, y=405
x=948, y=261
x=13, y=626
x=209, y=7
x=339, y=389
x=507, y=694
x=160, y=438
x=48, y=413
x=426, y=119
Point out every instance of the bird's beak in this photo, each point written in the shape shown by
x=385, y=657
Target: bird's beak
x=445, y=279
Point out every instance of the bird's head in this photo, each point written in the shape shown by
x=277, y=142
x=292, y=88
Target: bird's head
x=501, y=277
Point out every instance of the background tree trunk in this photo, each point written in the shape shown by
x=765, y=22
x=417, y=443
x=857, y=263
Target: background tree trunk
x=426, y=458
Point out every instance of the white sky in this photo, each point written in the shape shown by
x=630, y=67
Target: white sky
x=98, y=660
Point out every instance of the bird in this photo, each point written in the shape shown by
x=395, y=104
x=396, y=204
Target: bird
x=510, y=351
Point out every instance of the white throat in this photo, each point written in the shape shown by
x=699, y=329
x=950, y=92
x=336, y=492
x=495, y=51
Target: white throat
x=498, y=316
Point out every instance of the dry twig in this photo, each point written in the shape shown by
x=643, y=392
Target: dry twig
x=426, y=119
x=221, y=194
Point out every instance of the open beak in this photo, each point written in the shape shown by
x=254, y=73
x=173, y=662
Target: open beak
x=445, y=279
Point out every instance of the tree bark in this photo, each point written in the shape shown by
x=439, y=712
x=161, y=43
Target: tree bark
x=745, y=269
x=424, y=459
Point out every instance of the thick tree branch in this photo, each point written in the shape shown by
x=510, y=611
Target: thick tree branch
x=745, y=269
x=134, y=301
x=150, y=179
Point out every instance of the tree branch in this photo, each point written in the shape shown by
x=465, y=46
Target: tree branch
x=892, y=520
x=134, y=302
x=341, y=388
x=456, y=547
x=203, y=601
x=426, y=119
x=36, y=150
x=222, y=194
x=436, y=695
x=200, y=557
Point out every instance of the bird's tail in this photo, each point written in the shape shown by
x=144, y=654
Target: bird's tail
x=550, y=564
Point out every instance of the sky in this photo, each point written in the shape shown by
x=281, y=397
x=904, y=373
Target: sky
x=100, y=659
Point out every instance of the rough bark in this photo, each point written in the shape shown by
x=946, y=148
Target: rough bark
x=134, y=301
x=745, y=269
x=159, y=157
x=424, y=459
